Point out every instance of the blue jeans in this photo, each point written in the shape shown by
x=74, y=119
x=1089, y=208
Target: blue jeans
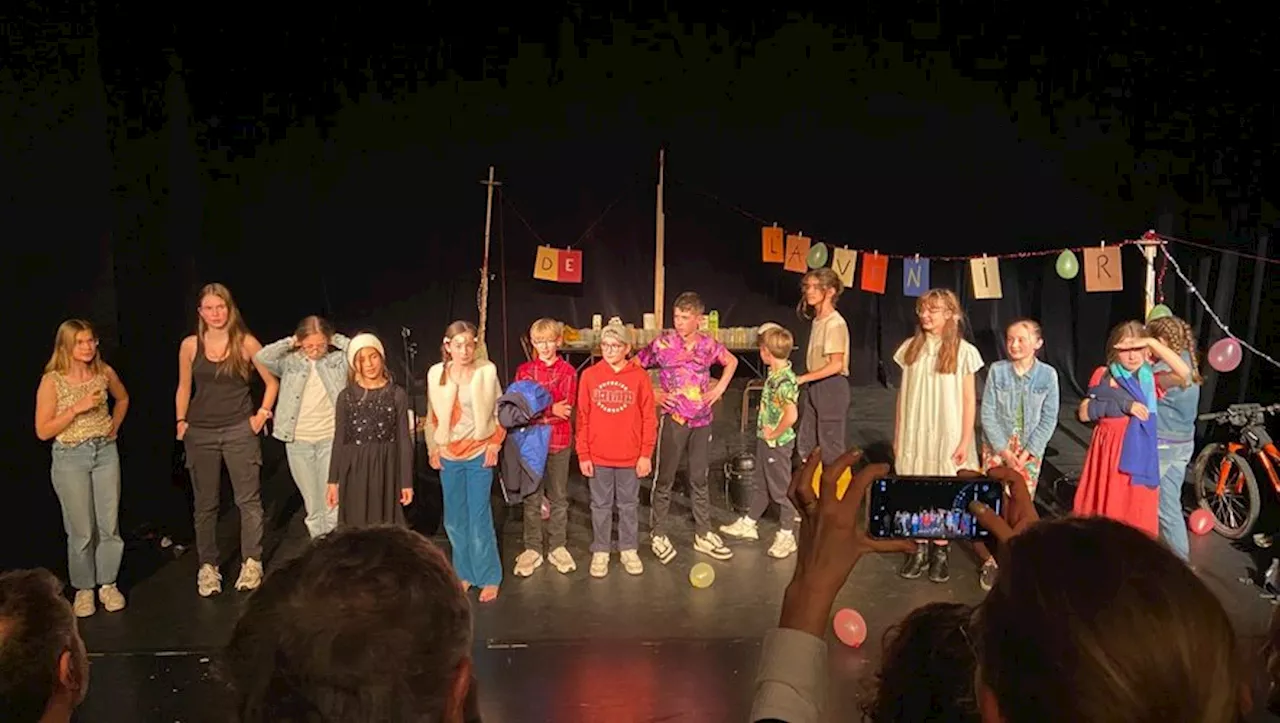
x=1174, y=458
x=86, y=478
x=469, y=522
x=309, y=465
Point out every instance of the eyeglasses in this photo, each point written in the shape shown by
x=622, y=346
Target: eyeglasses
x=612, y=345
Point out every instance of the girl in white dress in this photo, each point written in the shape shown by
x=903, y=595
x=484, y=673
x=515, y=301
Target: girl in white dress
x=933, y=431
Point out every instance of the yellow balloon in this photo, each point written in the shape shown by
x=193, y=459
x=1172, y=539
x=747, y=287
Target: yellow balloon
x=842, y=484
x=702, y=575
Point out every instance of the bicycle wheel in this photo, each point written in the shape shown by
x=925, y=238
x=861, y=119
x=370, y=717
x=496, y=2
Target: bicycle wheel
x=1236, y=510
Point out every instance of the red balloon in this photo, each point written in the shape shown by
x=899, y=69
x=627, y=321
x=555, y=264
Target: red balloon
x=1224, y=355
x=1201, y=521
x=850, y=628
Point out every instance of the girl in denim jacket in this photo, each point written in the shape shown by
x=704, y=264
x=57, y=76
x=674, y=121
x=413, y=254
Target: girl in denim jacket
x=312, y=368
x=1020, y=403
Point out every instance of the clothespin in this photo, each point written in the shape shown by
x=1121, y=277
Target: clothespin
x=775, y=224
x=1102, y=244
x=917, y=257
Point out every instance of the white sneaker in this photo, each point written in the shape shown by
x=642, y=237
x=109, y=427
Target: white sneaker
x=631, y=562
x=712, y=546
x=84, y=606
x=527, y=562
x=111, y=598
x=663, y=549
x=562, y=561
x=599, y=564
x=743, y=528
x=250, y=575
x=784, y=544
x=208, y=581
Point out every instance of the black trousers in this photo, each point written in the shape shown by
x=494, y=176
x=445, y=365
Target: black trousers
x=676, y=440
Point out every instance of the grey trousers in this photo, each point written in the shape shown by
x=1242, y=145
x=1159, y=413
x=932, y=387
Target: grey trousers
x=772, y=480
x=614, y=486
x=555, y=488
x=207, y=449
x=824, y=412
x=674, y=439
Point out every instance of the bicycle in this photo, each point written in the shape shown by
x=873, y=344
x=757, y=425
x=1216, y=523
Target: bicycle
x=1225, y=482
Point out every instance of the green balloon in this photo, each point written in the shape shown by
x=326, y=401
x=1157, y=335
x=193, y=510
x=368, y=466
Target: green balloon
x=817, y=257
x=1067, y=265
x=1159, y=311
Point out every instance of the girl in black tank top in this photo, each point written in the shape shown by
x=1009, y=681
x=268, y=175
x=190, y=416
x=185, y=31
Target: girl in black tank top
x=221, y=396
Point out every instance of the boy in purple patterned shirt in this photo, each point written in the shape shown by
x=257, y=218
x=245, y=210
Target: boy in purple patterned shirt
x=684, y=357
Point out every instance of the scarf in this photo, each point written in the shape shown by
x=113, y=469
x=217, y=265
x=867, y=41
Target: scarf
x=1139, y=454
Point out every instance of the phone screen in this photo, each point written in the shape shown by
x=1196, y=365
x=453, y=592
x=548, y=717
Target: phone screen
x=931, y=508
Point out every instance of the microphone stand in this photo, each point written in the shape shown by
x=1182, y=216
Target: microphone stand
x=410, y=350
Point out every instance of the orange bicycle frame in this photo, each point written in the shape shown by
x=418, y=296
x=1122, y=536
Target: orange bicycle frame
x=1265, y=455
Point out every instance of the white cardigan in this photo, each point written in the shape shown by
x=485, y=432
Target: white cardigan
x=485, y=391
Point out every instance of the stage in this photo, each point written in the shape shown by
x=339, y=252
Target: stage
x=573, y=648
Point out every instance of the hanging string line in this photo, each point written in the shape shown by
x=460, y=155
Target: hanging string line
x=523, y=220
x=599, y=218
x=1013, y=255
x=1209, y=309
x=1219, y=249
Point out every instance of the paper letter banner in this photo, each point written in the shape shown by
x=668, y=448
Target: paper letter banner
x=797, y=252
x=570, y=267
x=771, y=244
x=843, y=262
x=1102, y=270
x=547, y=265
x=915, y=276
x=553, y=264
x=986, y=278
x=875, y=268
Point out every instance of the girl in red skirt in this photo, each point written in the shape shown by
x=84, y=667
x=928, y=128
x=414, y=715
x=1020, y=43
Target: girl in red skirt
x=1121, y=475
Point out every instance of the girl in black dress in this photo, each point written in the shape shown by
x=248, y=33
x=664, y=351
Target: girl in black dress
x=371, y=472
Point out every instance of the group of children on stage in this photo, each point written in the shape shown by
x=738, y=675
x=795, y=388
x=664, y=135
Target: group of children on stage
x=348, y=434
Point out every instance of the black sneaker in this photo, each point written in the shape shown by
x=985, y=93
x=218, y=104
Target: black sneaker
x=916, y=562
x=939, y=568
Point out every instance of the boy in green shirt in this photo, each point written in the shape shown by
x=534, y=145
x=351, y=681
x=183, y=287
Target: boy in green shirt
x=775, y=440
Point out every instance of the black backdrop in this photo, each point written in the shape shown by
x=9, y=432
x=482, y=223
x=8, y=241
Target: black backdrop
x=131, y=178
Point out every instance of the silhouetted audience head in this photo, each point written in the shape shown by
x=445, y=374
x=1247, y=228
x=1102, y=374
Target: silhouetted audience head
x=1092, y=620
x=44, y=669
x=927, y=670
x=367, y=625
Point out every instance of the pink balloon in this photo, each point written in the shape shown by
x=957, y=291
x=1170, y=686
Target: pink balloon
x=1224, y=355
x=850, y=628
x=1201, y=521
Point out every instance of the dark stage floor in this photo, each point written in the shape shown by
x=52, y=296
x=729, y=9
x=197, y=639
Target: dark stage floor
x=572, y=648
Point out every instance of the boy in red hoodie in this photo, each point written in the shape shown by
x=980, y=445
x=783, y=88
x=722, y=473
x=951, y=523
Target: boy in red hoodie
x=617, y=431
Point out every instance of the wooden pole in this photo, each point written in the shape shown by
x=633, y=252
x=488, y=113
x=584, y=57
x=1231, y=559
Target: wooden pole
x=482, y=301
x=659, y=261
x=1149, y=253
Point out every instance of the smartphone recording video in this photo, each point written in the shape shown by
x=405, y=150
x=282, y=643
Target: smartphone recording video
x=931, y=508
